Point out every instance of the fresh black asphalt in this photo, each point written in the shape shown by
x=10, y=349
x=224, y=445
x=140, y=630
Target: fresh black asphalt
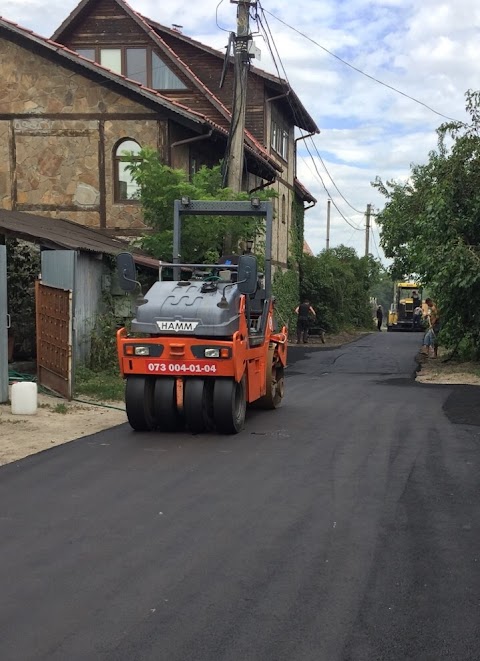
x=342, y=526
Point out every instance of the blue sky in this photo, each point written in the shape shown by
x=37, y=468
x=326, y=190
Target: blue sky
x=429, y=50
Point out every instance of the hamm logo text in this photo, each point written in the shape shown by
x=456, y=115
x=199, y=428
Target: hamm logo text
x=177, y=326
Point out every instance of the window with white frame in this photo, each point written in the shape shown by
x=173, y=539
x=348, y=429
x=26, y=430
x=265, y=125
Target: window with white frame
x=279, y=139
x=126, y=189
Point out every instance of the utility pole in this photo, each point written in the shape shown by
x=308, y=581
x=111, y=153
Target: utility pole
x=328, y=224
x=367, y=230
x=235, y=155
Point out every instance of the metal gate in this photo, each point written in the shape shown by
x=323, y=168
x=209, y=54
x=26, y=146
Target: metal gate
x=54, y=338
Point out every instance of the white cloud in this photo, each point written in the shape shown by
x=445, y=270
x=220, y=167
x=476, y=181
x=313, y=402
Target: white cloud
x=428, y=50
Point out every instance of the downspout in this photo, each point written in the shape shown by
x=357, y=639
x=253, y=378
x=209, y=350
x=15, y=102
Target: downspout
x=262, y=186
x=189, y=141
x=302, y=137
x=196, y=138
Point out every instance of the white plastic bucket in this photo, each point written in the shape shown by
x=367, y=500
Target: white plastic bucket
x=24, y=398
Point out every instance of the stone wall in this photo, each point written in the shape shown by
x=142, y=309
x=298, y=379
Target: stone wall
x=57, y=160
x=57, y=163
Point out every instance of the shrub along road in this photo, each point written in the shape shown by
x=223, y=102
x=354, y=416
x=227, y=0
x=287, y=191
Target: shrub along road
x=343, y=526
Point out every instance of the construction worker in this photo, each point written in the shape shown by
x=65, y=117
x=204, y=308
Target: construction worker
x=430, y=339
x=303, y=310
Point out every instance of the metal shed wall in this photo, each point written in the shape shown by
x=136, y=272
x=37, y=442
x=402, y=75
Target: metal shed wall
x=88, y=294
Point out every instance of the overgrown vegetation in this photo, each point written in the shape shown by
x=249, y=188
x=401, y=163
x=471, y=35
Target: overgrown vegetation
x=285, y=288
x=100, y=378
x=23, y=268
x=337, y=283
x=430, y=227
x=103, y=352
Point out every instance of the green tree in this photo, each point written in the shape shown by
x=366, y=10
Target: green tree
x=430, y=227
x=337, y=282
x=203, y=239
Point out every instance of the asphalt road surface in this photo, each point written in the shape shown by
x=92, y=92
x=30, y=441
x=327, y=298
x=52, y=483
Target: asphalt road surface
x=343, y=526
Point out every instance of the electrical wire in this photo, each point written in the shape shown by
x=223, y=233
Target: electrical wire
x=375, y=243
x=376, y=80
x=331, y=178
x=216, y=17
x=269, y=39
x=360, y=229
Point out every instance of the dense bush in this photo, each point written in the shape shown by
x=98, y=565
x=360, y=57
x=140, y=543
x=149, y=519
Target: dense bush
x=337, y=284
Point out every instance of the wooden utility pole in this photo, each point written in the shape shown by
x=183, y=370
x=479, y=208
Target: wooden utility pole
x=241, y=66
x=328, y=224
x=367, y=230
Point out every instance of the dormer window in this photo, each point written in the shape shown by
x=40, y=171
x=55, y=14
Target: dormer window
x=140, y=64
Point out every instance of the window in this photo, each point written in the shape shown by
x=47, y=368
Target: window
x=89, y=53
x=162, y=77
x=136, y=60
x=125, y=188
x=140, y=64
x=194, y=167
x=284, y=217
x=111, y=58
x=279, y=140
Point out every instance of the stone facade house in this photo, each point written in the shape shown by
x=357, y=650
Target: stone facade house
x=111, y=80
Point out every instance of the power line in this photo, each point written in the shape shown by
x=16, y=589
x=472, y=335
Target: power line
x=375, y=244
x=360, y=229
x=331, y=178
x=216, y=18
x=376, y=80
x=269, y=39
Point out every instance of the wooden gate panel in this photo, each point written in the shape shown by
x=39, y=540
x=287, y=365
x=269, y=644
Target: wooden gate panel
x=54, y=338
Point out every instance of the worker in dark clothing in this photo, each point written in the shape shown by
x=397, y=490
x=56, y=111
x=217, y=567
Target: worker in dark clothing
x=303, y=310
x=379, y=317
x=416, y=302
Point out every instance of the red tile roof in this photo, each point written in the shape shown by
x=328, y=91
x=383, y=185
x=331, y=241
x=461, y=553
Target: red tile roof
x=303, y=193
x=302, y=117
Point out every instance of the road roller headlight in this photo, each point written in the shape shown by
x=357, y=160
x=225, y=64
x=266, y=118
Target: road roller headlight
x=142, y=351
x=212, y=353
